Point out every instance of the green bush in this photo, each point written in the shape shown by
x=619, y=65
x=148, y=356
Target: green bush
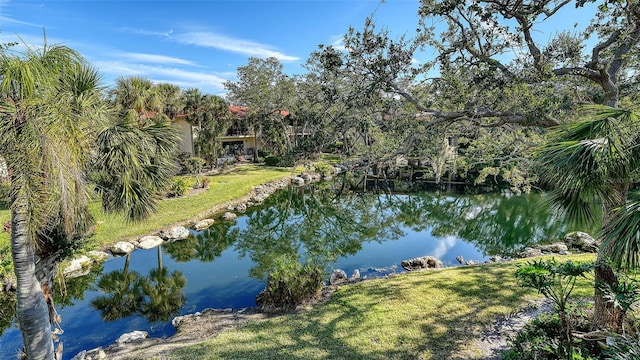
x=179, y=188
x=541, y=339
x=289, y=284
x=272, y=160
x=625, y=348
x=324, y=169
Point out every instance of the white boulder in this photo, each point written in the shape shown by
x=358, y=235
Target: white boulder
x=203, y=224
x=149, y=242
x=121, y=248
x=175, y=233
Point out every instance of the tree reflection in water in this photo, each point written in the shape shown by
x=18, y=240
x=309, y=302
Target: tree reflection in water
x=157, y=296
x=318, y=226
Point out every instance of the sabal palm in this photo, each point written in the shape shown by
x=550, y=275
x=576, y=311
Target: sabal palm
x=51, y=118
x=123, y=293
x=163, y=292
x=136, y=99
x=49, y=102
x=590, y=165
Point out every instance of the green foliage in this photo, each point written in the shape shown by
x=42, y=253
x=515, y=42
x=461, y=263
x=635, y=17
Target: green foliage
x=624, y=348
x=194, y=165
x=323, y=169
x=552, y=279
x=289, y=284
x=272, y=160
x=556, y=281
x=5, y=194
x=539, y=341
x=210, y=118
x=179, y=187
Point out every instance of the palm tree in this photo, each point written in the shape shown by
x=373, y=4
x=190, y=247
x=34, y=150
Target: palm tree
x=51, y=111
x=124, y=293
x=136, y=99
x=49, y=102
x=590, y=165
x=210, y=116
x=163, y=292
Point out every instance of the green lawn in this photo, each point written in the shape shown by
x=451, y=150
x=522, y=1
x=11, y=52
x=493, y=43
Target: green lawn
x=421, y=315
x=222, y=188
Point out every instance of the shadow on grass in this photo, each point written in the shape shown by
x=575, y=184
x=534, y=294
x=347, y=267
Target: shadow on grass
x=430, y=315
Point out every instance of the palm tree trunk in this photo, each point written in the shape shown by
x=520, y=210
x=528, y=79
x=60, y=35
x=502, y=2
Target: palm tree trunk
x=32, y=309
x=605, y=316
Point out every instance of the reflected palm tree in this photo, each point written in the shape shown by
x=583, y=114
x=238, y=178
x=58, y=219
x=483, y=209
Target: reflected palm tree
x=124, y=293
x=163, y=292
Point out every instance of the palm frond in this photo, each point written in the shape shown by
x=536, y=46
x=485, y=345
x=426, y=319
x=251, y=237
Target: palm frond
x=622, y=234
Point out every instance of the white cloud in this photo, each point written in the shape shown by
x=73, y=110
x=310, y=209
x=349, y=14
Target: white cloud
x=15, y=21
x=180, y=77
x=338, y=42
x=145, y=32
x=154, y=58
x=443, y=246
x=221, y=42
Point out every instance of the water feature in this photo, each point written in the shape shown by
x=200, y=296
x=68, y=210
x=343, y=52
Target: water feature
x=226, y=265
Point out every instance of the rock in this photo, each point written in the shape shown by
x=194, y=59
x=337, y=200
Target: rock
x=132, y=336
x=297, y=181
x=99, y=255
x=471, y=262
x=149, y=242
x=259, y=198
x=203, y=224
x=356, y=275
x=553, y=248
x=122, y=248
x=582, y=241
x=240, y=208
x=425, y=262
x=564, y=252
x=337, y=276
x=307, y=177
x=460, y=259
x=175, y=233
x=78, y=267
x=530, y=252
x=496, y=258
x=228, y=216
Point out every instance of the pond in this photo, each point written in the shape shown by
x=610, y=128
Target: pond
x=226, y=265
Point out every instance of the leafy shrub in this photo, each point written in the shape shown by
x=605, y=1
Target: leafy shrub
x=272, y=160
x=324, y=169
x=205, y=182
x=179, y=187
x=541, y=340
x=625, y=348
x=289, y=284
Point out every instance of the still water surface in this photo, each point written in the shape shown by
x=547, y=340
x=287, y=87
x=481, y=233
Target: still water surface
x=226, y=265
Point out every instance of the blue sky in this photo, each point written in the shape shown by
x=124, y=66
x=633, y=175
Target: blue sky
x=202, y=43
x=194, y=43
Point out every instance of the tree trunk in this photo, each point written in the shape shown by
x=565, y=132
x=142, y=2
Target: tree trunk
x=32, y=309
x=605, y=316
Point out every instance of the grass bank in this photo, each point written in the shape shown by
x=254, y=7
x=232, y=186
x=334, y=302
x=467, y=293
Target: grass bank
x=421, y=315
x=113, y=227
